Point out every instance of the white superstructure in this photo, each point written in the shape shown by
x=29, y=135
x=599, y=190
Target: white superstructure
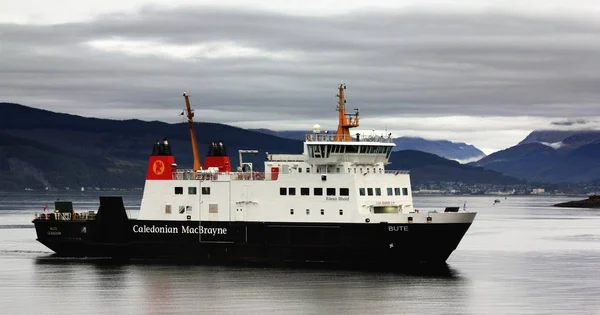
x=337, y=179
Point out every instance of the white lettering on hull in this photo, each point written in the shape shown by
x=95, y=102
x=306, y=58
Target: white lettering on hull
x=204, y=231
x=155, y=229
x=53, y=231
x=337, y=198
x=175, y=230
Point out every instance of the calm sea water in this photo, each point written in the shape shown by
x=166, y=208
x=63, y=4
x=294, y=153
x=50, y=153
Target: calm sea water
x=519, y=257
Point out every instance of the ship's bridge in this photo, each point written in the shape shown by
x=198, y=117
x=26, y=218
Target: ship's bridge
x=362, y=150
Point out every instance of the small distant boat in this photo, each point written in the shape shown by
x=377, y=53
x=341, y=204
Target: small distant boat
x=496, y=201
x=82, y=188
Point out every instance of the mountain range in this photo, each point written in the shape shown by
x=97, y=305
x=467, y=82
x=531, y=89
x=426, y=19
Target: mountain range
x=457, y=151
x=551, y=156
x=40, y=148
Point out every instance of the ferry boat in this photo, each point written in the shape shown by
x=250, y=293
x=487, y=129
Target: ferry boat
x=335, y=203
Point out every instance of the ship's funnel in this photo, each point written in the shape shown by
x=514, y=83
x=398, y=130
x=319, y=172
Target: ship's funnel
x=161, y=164
x=217, y=157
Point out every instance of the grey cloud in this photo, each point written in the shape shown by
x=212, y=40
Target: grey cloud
x=570, y=122
x=407, y=63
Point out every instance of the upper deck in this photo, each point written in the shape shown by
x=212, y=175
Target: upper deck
x=360, y=138
x=189, y=174
x=363, y=149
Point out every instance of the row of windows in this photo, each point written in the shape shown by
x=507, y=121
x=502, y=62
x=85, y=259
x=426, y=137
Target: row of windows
x=305, y=191
x=323, y=150
x=337, y=169
x=322, y=211
x=182, y=209
x=390, y=191
x=192, y=190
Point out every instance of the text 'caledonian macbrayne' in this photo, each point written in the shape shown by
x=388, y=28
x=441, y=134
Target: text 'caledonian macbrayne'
x=176, y=230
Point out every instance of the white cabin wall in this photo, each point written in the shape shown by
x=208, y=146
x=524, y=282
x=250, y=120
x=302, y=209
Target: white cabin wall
x=160, y=193
x=383, y=182
x=268, y=205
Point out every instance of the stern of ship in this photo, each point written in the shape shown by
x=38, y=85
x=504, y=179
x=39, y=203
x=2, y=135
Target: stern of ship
x=71, y=233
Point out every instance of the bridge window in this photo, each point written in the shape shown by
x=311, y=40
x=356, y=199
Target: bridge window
x=361, y=191
x=330, y=191
x=179, y=190
x=283, y=191
x=192, y=190
x=397, y=191
x=292, y=191
x=405, y=191
x=344, y=192
x=304, y=191
x=352, y=149
x=390, y=191
x=181, y=209
x=370, y=191
x=377, y=191
x=318, y=192
x=206, y=190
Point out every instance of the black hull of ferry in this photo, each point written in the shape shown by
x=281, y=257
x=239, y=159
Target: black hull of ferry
x=248, y=242
x=111, y=234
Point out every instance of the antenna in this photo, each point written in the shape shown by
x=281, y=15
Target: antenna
x=346, y=121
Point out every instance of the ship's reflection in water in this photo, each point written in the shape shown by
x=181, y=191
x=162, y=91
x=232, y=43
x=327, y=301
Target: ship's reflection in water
x=158, y=288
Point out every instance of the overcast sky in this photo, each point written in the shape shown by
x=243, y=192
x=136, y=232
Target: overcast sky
x=481, y=72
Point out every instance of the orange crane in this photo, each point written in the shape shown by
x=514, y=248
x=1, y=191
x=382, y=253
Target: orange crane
x=346, y=121
x=190, y=116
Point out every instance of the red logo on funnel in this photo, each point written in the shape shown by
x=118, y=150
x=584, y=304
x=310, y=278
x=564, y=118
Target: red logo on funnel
x=158, y=167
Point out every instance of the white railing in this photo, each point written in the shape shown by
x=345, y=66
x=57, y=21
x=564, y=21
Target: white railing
x=251, y=176
x=395, y=172
x=190, y=175
x=62, y=216
x=326, y=137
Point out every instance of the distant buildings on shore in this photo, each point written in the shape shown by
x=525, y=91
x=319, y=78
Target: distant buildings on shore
x=459, y=188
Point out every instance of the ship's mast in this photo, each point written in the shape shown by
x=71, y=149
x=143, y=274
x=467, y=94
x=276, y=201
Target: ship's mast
x=346, y=121
x=190, y=116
